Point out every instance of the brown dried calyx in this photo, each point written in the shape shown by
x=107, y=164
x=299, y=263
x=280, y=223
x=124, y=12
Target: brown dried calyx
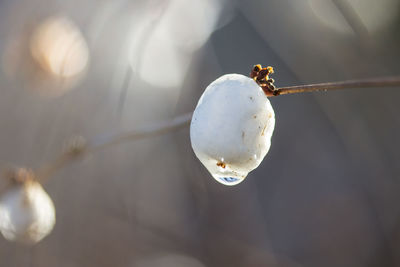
x=20, y=175
x=261, y=77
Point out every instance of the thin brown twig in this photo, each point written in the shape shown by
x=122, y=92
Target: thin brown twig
x=182, y=121
x=364, y=83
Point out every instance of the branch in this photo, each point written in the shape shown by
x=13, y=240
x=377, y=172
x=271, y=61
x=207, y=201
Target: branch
x=365, y=83
x=182, y=121
x=161, y=128
x=76, y=151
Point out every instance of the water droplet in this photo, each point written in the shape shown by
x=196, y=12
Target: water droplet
x=228, y=180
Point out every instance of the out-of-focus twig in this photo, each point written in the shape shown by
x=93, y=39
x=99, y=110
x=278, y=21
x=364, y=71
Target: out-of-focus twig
x=171, y=125
x=352, y=18
x=99, y=143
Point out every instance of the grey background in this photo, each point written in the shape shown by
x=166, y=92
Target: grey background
x=327, y=193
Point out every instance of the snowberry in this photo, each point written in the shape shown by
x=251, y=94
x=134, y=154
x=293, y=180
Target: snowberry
x=231, y=127
x=27, y=213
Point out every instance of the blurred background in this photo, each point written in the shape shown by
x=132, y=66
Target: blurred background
x=328, y=192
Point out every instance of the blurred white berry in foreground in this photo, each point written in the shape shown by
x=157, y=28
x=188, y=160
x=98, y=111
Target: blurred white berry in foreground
x=231, y=128
x=27, y=213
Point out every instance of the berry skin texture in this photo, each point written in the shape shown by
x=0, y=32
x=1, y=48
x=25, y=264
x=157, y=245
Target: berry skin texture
x=27, y=213
x=231, y=128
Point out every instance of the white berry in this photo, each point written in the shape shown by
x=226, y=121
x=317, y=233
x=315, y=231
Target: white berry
x=27, y=213
x=231, y=128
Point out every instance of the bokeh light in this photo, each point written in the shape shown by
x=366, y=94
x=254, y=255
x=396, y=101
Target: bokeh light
x=48, y=56
x=374, y=15
x=171, y=37
x=59, y=47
